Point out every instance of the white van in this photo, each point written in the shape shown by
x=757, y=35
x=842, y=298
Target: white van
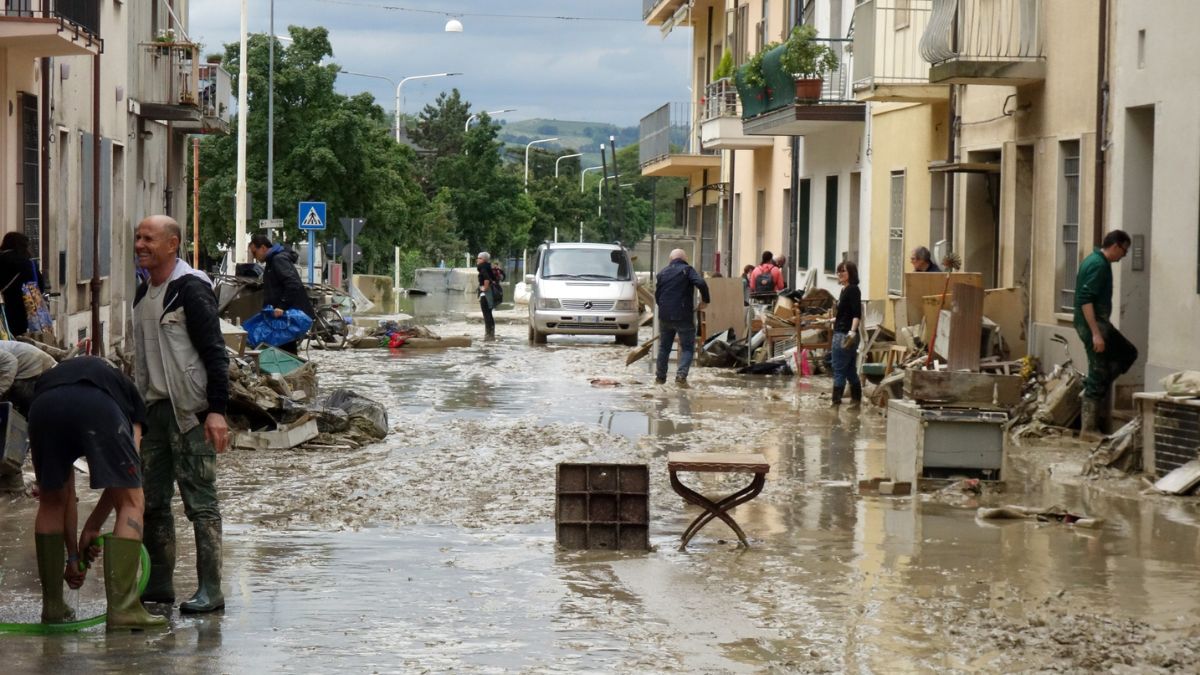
x=583, y=289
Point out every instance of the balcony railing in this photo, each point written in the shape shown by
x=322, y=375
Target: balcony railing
x=172, y=77
x=671, y=129
x=648, y=6
x=82, y=13
x=887, y=37
x=780, y=89
x=721, y=100
x=984, y=30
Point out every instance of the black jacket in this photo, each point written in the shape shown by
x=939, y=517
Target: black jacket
x=673, y=291
x=282, y=288
x=15, y=271
x=98, y=373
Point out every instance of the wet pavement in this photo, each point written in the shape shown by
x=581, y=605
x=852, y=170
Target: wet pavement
x=434, y=550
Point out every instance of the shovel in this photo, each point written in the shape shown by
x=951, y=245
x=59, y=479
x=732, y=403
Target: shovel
x=636, y=354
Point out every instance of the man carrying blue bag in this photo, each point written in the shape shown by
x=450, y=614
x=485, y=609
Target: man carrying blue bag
x=282, y=288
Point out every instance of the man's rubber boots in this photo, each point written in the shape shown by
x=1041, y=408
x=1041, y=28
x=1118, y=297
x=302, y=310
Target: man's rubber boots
x=208, y=597
x=125, y=611
x=837, y=394
x=52, y=559
x=160, y=543
x=856, y=393
x=1088, y=416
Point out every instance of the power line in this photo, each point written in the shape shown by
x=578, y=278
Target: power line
x=476, y=14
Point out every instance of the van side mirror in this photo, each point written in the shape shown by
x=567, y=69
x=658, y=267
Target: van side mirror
x=529, y=278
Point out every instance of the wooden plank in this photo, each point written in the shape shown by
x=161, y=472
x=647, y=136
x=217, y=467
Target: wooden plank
x=727, y=308
x=975, y=390
x=966, y=327
x=731, y=462
x=1006, y=307
x=917, y=285
x=1181, y=480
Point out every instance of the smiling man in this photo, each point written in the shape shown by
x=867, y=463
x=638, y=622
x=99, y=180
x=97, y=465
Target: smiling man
x=182, y=372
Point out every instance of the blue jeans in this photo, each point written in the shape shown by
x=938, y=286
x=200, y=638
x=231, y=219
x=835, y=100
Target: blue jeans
x=667, y=330
x=844, y=366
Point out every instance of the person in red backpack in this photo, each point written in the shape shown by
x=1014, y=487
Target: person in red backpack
x=766, y=279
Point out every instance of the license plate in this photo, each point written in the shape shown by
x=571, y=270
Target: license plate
x=589, y=319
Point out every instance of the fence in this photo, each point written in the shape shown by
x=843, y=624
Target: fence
x=83, y=13
x=671, y=128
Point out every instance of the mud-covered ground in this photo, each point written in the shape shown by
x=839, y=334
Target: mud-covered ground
x=434, y=550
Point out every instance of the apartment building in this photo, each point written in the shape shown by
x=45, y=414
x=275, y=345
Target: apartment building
x=792, y=179
x=125, y=72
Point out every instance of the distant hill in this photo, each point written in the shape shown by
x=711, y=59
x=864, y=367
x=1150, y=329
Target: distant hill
x=584, y=137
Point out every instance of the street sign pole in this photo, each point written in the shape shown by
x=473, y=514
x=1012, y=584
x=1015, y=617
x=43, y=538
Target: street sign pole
x=312, y=245
x=350, y=282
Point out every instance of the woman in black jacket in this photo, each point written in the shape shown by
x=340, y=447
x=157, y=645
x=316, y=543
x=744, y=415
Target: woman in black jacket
x=17, y=267
x=845, y=328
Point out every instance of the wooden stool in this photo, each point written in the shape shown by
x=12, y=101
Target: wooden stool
x=716, y=463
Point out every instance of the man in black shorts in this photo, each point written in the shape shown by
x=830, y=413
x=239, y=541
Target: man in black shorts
x=83, y=407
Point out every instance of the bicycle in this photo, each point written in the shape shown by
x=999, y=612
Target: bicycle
x=330, y=328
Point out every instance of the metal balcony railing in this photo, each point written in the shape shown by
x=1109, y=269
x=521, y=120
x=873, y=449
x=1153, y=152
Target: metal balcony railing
x=721, y=100
x=173, y=75
x=887, y=36
x=82, y=13
x=984, y=30
x=648, y=6
x=671, y=129
x=836, y=88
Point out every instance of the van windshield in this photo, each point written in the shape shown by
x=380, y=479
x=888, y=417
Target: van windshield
x=586, y=263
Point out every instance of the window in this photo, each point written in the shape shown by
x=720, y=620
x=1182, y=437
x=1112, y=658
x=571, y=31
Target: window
x=760, y=221
x=743, y=34
x=831, y=223
x=803, y=217
x=896, y=235
x=1068, y=230
x=765, y=24
x=903, y=14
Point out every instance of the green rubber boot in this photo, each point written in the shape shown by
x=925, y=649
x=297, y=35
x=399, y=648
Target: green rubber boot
x=208, y=597
x=160, y=544
x=52, y=560
x=125, y=611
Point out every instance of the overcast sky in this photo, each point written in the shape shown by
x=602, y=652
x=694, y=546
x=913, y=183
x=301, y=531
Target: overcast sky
x=596, y=71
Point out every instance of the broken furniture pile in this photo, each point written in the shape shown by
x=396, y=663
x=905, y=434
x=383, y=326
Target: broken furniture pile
x=765, y=339
x=1169, y=433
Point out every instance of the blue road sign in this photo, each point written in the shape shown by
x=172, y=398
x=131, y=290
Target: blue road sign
x=311, y=216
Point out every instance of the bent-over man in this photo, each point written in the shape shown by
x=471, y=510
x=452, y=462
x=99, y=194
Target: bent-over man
x=282, y=288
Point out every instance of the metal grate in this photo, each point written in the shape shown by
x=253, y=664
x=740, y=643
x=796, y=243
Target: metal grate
x=592, y=305
x=1176, y=436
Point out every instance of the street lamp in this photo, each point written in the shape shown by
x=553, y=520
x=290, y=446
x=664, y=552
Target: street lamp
x=475, y=116
x=398, y=85
x=581, y=174
x=578, y=154
x=271, y=115
x=527, y=146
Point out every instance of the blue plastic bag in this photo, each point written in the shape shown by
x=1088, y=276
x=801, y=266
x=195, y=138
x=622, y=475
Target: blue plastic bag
x=265, y=327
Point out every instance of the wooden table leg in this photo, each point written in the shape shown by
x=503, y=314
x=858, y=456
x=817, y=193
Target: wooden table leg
x=718, y=509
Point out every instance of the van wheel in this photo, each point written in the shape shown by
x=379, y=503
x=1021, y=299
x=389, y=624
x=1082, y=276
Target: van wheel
x=630, y=340
x=535, y=336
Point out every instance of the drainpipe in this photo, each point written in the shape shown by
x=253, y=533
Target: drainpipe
x=97, y=339
x=1101, y=122
x=729, y=213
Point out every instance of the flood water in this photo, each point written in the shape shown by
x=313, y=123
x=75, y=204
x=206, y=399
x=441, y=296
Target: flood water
x=434, y=550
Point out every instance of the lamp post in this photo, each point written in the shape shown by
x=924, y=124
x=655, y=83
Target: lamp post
x=578, y=154
x=475, y=116
x=399, y=101
x=581, y=174
x=527, y=146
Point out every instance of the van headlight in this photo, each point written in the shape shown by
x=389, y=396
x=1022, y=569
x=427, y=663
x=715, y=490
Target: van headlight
x=624, y=306
x=549, y=303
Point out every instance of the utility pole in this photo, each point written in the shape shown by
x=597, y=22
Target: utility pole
x=612, y=141
x=241, y=238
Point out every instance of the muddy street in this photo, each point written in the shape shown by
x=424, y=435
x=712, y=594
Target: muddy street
x=434, y=550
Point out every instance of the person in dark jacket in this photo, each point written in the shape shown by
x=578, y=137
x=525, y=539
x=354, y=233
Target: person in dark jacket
x=845, y=330
x=282, y=288
x=922, y=260
x=1109, y=353
x=674, y=293
x=182, y=371
x=17, y=267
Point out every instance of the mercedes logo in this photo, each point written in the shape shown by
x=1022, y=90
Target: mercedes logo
x=587, y=305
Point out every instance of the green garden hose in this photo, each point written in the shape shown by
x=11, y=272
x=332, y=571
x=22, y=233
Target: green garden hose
x=72, y=626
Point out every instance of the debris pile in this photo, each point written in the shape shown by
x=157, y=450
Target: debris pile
x=403, y=335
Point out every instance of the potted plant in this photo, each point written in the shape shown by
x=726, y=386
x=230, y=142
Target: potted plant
x=724, y=66
x=807, y=60
x=215, y=59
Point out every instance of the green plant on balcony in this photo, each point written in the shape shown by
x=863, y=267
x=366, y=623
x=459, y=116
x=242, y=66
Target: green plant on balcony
x=724, y=66
x=752, y=73
x=807, y=60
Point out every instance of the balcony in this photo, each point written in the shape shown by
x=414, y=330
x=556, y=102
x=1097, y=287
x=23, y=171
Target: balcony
x=39, y=28
x=995, y=42
x=175, y=87
x=669, y=143
x=666, y=13
x=721, y=122
x=887, y=59
x=774, y=110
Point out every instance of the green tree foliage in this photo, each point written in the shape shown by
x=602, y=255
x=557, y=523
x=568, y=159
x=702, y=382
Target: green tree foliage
x=328, y=147
x=440, y=124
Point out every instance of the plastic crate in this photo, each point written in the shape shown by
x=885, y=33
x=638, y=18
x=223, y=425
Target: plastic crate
x=603, y=507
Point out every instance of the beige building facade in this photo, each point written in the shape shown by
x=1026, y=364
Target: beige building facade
x=151, y=92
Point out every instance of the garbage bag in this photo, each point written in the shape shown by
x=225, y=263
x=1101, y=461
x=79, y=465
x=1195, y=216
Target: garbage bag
x=365, y=414
x=265, y=327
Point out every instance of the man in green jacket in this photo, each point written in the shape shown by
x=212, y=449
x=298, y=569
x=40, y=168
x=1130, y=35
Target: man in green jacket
x=1109, y=354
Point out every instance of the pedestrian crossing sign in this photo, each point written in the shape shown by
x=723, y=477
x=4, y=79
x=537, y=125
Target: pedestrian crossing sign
x=311, y=216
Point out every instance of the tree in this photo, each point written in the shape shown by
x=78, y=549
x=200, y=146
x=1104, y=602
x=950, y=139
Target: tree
x=440, y=124
x=328, y=147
